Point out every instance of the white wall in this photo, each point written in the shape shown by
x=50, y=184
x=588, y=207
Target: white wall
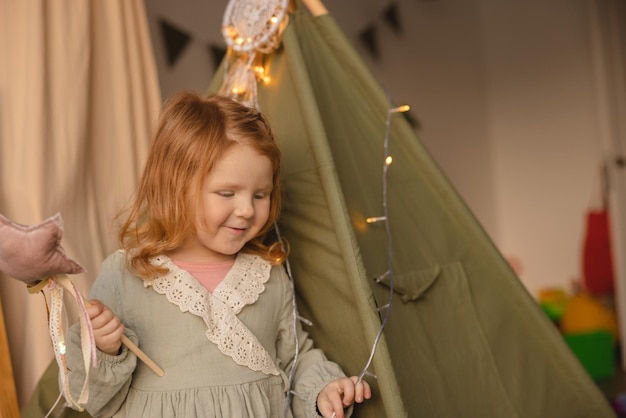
x=504, y=93
x=543, y=126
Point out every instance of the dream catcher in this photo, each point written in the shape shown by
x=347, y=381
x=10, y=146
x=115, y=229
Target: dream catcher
x=252, y=29
x=34, y=256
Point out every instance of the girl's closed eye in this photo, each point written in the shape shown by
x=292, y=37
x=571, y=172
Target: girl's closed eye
x=225, y=193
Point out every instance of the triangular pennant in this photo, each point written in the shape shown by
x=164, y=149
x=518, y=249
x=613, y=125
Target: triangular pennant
x=175, y=41
x=217, y=54
x=391, y=16
x=368, y=37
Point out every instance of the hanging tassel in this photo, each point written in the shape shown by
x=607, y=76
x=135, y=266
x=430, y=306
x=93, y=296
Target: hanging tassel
x=240, y=79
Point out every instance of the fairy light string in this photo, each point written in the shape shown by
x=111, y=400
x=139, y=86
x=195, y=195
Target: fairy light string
x=296, y=317
x=388, y=160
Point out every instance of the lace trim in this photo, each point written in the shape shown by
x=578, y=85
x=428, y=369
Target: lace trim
x=242, y=286
x=244, y=282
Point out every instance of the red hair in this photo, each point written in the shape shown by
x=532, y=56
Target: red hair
x=192, y=134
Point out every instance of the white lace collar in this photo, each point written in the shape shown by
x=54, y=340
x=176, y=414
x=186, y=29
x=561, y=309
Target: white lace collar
x=242, y=286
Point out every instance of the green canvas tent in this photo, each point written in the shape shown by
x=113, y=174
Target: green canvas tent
x=464, y=337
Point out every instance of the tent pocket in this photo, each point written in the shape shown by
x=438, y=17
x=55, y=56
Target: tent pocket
x=438, y=346
x=411, y=286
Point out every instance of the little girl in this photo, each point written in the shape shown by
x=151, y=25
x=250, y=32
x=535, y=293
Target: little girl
x=199, y=289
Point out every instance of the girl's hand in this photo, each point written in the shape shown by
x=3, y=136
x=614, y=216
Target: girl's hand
x=107, y=328
x=340, y=394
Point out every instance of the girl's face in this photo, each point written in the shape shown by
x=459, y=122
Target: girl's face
x=235, y=206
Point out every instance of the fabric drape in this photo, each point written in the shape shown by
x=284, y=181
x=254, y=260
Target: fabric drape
x=78, y=97
x=464, y=337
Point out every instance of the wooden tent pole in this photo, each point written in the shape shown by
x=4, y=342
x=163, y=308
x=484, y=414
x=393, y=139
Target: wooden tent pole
x=316, y=7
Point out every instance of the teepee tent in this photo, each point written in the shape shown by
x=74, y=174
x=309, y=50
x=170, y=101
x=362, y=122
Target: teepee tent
x=463, y=336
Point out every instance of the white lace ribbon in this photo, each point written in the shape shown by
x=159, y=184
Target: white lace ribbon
x=56, y=285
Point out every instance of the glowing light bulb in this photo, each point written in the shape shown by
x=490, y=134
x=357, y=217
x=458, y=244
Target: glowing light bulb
x=388, y=160
x=403, y=108
x=260, y=74
x=375, y=219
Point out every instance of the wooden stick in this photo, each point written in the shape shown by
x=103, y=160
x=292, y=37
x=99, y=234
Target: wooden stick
x=142, y=356
x=316, y=7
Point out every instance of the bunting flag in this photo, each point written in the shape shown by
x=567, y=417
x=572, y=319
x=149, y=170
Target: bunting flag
x=369, y=40
x=175, y=41
x=392, y=18
x=369, y=35
x=217, y=53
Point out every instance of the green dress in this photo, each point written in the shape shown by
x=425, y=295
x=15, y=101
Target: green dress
x=225, y=354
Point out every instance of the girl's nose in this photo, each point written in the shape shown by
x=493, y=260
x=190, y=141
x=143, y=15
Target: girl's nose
x=245, y=208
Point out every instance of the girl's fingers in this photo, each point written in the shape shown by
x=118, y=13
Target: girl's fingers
x=330, y=401
x=327, y=408
x=362, y=390
x=366, y=391
x=94, y=308
x=109, y=327
x=100, y=315
x=341, y=393
x=345, y=391
x=358, y=389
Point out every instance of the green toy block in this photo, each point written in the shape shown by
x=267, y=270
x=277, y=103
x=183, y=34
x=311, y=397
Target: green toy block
x=595, y=350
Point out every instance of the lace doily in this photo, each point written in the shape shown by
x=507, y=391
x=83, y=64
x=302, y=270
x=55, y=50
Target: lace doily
x=254, y=25
x=242, y=286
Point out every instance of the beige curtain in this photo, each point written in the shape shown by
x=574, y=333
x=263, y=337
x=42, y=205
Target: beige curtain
x=78, y=97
